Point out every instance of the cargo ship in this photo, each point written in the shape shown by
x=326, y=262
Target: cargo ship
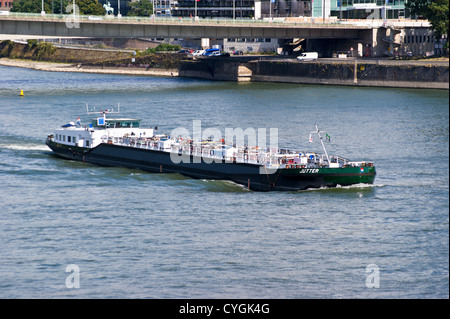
x=122, y=142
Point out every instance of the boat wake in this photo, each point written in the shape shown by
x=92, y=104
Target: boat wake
x=225, y=186
x=361, y=186
x=25, y=147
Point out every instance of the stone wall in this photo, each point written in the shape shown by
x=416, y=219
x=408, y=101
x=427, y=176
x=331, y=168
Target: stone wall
x=379, y=73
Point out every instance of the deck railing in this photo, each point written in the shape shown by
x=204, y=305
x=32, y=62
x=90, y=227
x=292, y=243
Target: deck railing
x=217, y=153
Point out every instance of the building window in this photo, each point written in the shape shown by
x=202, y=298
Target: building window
x=68, y=139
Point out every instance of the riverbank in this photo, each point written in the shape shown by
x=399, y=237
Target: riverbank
x=46, y=56
x=77, y=67
x=358, y=72
x=427, y=74
x=350, y=72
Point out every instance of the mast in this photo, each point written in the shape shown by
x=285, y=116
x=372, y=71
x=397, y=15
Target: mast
x=323, y=145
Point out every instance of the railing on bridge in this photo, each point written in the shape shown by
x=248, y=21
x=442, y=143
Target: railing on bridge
x=282, y=22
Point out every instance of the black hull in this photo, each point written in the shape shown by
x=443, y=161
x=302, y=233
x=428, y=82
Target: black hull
x=156, y=161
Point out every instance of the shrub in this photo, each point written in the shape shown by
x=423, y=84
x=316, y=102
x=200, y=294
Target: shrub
x=164, y=47
x=8, y=46
x=44, y=50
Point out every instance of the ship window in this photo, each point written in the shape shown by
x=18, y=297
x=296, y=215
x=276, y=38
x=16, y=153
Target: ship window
x=68, y=139
x=64, y=138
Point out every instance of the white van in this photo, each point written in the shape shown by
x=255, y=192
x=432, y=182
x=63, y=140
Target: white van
x=196, y=53
x=308, y=56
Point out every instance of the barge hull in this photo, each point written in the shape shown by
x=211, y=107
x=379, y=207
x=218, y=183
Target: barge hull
x=249, y=175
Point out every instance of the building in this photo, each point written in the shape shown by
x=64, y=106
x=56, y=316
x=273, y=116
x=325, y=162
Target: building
x=163, y=7
x=214, y=8
x=359, y=9
x=256, y=9
x=6, y=5
x=260, y=9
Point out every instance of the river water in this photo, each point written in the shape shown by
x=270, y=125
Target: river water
x=132, y=234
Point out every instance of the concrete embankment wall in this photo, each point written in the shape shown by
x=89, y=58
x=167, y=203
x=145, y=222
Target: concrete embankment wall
x=211, y=69
x=406, y=74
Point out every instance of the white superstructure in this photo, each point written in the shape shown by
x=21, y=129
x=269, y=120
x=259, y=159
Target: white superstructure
x=100, y=130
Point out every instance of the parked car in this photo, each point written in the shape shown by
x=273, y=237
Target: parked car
x=184, y=51
x=308, y=56
x=238, y=52
x=209, y=52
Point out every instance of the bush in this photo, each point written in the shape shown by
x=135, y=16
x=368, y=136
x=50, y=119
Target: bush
x=164, y=47
x=7, y=46
x=31, y=44
x=44, y=50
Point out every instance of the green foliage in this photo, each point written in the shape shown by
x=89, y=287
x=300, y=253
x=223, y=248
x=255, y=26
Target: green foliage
x=435, y=11
x=31, y=44
x=90, y=7
x=44, y=50
x=142, y=8
x=86, y=7
x=417, y=7
x=163, y=47
x=31, y=6
x=7, y=47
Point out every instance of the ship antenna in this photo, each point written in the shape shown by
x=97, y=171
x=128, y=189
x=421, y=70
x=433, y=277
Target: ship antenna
x=321, y=141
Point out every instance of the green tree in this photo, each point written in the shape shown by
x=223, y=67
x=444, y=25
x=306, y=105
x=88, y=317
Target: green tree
x=87, y=7
x=141, y=8
x=31, y=6
x=90, y=7
x=435, y=11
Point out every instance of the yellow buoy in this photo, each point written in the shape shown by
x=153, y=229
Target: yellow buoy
x=21, y=92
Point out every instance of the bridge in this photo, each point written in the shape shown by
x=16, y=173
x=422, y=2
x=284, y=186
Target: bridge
x=24, y=25
x=379, y=35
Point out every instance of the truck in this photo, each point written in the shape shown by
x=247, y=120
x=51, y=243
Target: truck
x=308, y=56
